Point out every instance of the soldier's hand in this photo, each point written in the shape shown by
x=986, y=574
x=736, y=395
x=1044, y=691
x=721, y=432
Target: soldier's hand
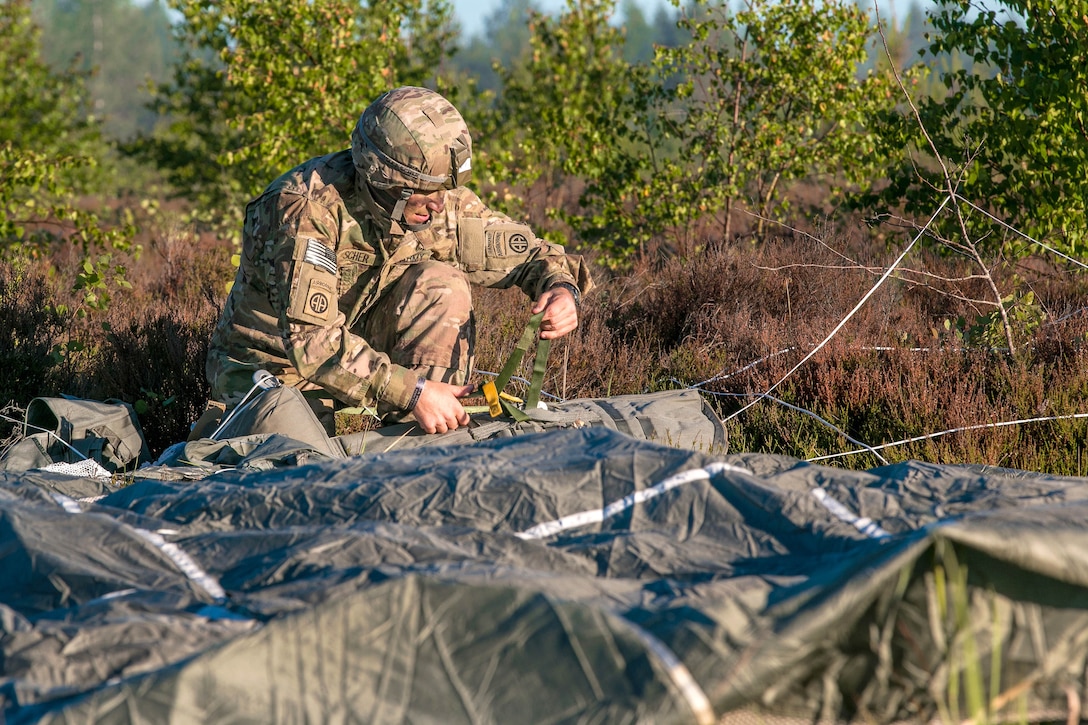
x=560, y=313
x=439, y=408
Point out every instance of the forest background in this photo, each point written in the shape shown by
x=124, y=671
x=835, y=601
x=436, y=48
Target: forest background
x=859, y=234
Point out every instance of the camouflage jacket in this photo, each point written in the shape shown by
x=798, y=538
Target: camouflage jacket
x=315, y=258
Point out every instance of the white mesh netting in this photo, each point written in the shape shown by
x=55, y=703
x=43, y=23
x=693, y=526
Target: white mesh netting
x=84, y=469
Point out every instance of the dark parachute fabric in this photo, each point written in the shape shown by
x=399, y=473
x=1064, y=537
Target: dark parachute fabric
x=569, y=576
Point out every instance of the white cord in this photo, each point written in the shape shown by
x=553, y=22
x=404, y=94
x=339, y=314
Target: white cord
x=862, y=301
x=723, y=376
x=261, y=379
x=980, y=426
x=791, y=406
x=44, y=430
x=1014, y=230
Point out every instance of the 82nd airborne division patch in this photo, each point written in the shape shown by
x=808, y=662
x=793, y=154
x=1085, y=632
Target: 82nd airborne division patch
x=313, y=297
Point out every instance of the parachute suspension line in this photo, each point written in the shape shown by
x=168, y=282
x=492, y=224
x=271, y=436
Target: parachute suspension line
x=980, y=426
x=261, y=379
x=883, y=278
x=865, y=448
x=1016, y=231
x=868, y=348
x=791, y=406
x=725, y=376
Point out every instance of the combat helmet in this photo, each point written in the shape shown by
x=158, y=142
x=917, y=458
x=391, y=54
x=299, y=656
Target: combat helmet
x=412, y=139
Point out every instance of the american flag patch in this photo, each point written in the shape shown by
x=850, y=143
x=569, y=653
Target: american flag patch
x=321, y=256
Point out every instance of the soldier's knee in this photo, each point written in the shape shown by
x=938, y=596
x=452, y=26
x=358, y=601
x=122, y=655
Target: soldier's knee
x=445, y=286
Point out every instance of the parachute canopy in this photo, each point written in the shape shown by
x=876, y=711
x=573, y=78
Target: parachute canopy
x=571, y=575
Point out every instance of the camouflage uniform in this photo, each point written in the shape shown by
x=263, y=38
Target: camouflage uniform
x=332, y=294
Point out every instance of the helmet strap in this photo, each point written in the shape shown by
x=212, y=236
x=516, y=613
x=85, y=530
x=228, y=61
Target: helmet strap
x=398, y=209
x=420, y=227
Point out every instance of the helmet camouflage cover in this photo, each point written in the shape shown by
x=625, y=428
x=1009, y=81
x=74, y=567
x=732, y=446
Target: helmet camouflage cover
x=412, y=138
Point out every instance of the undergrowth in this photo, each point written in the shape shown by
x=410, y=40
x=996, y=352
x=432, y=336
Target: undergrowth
x=734, y=322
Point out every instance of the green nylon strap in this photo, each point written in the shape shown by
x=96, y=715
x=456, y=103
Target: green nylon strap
x=513, y=411
x=539, y=366
x=523, y=345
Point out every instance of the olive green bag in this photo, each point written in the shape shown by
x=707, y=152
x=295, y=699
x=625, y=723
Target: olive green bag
x=72, y=431
x=677, y=418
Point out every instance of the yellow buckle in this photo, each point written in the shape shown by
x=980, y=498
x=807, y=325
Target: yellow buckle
x=492, y=396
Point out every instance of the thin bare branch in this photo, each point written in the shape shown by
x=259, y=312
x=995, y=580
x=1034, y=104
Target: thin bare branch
x=951, y=188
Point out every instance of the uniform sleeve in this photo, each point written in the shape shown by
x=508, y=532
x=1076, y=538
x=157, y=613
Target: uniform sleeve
x=495, y=251
x=304, y=290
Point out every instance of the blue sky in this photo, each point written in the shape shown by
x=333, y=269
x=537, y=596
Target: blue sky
x=471, y=13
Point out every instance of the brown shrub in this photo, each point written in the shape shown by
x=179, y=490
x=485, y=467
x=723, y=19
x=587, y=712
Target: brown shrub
x=29, y=327
x=735, y=320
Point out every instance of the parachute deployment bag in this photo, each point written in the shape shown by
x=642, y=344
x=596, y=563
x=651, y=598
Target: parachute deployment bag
x=282, y=410
x=70, y=430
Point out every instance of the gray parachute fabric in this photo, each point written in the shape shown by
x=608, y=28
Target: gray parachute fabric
x=679, y=418
x=277, y=427
x=575, y=575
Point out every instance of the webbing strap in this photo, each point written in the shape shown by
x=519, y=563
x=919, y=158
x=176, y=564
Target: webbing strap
x=514, y=360
x=540, y=366
x=513, y=411
x=543, y=348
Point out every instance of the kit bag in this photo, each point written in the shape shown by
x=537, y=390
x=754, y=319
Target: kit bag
x=677, y=418
x=279, y=410
x=73, y=431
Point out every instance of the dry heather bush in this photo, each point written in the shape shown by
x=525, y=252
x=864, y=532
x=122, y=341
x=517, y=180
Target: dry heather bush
x=147, y=348
x=28, y=330
x=736, y=319
x=179, y=264
x=155, y=360
x=154, y=354
x=880, y=396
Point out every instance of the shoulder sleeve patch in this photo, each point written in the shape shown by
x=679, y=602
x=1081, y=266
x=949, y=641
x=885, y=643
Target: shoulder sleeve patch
x=313, y=284
x=508, y=240
x=319, y=255
x=492, y=245
x=314, y=300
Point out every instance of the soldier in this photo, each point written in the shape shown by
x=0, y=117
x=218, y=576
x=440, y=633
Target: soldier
x=354, y=281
